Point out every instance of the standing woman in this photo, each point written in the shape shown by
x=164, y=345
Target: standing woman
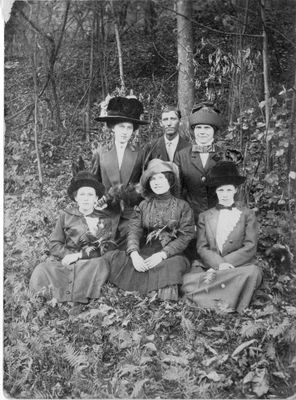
x=76, y=270
x=226, y=243
x=195, y=161
x=160, y=230
x=119, y=166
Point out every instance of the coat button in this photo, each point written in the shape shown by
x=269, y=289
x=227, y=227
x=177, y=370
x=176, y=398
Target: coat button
x=67, y=292
x=203, y=178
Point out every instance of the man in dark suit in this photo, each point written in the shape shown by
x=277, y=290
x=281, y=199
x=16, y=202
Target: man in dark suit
x=167, y=146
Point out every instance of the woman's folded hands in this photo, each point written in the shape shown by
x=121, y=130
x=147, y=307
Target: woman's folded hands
x=142, y=265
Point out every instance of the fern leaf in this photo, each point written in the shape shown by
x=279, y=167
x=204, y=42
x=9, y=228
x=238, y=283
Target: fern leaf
x=75, y=359
x=280, y=329
x=250, y=329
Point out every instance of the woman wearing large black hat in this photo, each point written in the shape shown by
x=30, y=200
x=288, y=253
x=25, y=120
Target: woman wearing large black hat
x=119, y=166
x=226, y=244
x=76, y=270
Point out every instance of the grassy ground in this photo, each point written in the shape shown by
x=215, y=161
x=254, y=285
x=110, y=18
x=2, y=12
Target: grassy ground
x=126, y=346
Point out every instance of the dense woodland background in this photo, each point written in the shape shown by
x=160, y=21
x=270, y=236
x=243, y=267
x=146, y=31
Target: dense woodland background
x=62, y=59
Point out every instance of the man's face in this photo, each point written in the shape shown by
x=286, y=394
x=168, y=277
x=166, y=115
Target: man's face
x=170, y=124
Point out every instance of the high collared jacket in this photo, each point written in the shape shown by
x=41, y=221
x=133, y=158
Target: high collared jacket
x=240, y=246
x=194, y=179
x=157, y=149
x=71, y=233
x=105, y=166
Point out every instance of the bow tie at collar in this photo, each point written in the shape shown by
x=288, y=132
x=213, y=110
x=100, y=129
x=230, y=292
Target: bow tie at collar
x=221, y=207
x=197, y=148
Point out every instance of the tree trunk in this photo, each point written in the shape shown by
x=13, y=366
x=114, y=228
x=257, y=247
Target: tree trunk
x=116, y=29
x=266, y=85
x=90, y=80
x=36, y=139
x=291, y=159
x=100, y=49
x=185, y=57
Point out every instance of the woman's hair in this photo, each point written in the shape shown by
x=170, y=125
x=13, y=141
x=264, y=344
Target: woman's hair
x=172, y=180
x=111, y=125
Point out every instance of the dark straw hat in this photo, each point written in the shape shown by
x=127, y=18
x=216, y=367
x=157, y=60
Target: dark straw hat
x=124, y=109
x=205, y=114
x=224, y=173
x=85, y=178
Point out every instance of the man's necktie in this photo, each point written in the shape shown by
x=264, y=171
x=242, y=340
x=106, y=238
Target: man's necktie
x=170, y=150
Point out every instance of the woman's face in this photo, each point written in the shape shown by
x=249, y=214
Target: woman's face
x=203, y=134
x=159, y=183
x=123, y=132
x=86, y=199
x=226, y=194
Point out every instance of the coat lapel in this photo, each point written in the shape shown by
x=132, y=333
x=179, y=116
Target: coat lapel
x=128, y=163
x=213, y=221
x=163, y=155
x=196, y=161
x=111, y=165
x=182, y=144
x=210, y=161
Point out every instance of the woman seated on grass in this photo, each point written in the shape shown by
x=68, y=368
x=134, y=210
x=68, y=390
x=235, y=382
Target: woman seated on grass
x=226, y=244
x=159, y=232
x=76, y=271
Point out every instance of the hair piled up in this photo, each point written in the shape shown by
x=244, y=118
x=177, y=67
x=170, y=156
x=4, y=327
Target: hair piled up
x=111, y=125
x=147, y=192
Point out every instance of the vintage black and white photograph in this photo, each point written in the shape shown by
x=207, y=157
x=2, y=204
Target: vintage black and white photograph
x=149, y=199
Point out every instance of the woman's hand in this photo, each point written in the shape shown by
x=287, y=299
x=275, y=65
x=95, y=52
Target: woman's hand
x=154, y=260
x=101, y=202
x=71, y=258
x=138, y=262
x=224, y=266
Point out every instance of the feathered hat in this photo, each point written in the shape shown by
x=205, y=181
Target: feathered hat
x=124, y=109
x=224, y=173
x=85, y=178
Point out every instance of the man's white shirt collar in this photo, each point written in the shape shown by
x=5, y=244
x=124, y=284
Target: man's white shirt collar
x=173, y=142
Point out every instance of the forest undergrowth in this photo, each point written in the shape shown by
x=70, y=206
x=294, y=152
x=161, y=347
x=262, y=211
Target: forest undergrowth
x=124, y=345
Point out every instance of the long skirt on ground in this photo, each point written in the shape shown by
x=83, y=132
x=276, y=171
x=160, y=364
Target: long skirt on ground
x=232, y=289
x=125, y=276
x=77, y=282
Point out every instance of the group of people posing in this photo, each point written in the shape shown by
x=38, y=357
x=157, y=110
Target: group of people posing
x=162, y=219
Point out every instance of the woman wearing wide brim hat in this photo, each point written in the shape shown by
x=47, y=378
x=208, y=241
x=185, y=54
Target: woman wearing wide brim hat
x=159, y=232
x=76, y=271
x=226, y=244
x=119, y=166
